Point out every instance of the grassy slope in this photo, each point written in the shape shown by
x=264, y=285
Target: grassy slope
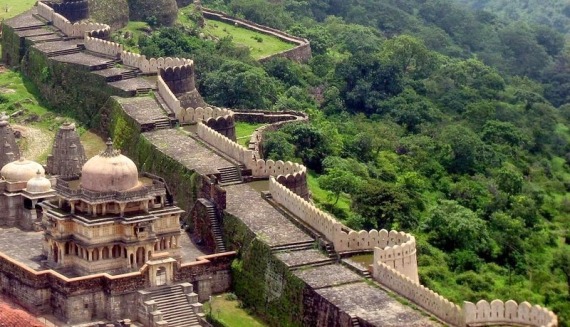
x=244, y=131
x=40, y=125
x=270, y=44
x=229, y=314
x=11, y=8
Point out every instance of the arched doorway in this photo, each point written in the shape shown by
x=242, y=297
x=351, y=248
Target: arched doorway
x=160, y=276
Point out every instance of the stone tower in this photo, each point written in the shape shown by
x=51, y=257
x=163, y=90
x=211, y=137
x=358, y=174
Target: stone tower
x=74, y=10
x=67, y=156
x=9, y=151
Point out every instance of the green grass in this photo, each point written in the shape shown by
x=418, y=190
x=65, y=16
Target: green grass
x=16, y=94
x=229, y=314
x=136, y=29
x=323, y=196
x=244, y=131
x=269, y=45
x=11, y=8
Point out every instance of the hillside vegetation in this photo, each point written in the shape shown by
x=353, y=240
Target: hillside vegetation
x=554, y=13
x=426, y=116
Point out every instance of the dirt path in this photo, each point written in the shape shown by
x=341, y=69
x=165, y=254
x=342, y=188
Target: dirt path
x=34, y=142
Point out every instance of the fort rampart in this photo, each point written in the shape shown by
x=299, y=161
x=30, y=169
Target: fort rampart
x=300, y=53
x=102, y=295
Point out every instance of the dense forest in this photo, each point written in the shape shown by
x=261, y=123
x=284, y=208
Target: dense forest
x=429, y=116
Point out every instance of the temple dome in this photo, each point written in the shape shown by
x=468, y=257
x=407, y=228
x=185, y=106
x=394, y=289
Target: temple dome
x=21, y=170
x=109, y=171
x=38, y=184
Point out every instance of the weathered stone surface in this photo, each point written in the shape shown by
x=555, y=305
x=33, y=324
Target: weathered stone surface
x=327, y=276
x=30, y=254
x=373, y=305
x=9, y=150
x=187, y=151
x=67, y=155
x=298, y=258
x=144, y=110
x=265, y=221
x=115, y=13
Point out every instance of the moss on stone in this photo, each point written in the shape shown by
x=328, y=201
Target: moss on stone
x=115, y=13
x=165, y=11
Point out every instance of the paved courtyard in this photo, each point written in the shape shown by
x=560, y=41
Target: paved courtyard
x=24, y=247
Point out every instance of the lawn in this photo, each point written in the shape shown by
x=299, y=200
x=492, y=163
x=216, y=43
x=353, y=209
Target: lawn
x=244, y=131
x=227, y=312
x=136, y=30
x=11, y=8
x=260, y=45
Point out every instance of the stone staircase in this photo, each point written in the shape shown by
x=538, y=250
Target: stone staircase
x=161, y=123
x=297, y=246
x=216, y=230
x=143, y=91
x=230, y=174
x=172, y=306
x=312, y=264
x=64, y=52
x=354, y=322
x=130, y=74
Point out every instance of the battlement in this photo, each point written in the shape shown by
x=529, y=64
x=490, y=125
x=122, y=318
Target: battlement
x=180, y=79
x=73, y=10
x=508, y=313
x=76, y=30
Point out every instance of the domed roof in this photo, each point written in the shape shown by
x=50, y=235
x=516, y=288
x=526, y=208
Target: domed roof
x=38, y=184
x=109, y=171
x=21, y=170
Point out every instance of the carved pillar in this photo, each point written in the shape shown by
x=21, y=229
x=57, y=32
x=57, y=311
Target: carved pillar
x=104, y=209
x=72, y=204
x=122, y=207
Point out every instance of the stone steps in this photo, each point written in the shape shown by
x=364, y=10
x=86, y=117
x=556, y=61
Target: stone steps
x=216, y=230
x=63, y=52
x=306, y=245
x=230, y=174
x=175, y=307
x=143, y=91
x=354, y=322
x=312, y=264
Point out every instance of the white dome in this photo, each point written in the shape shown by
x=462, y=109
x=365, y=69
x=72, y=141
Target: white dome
x=109, y=171
x=38, y=184
x=21, y=170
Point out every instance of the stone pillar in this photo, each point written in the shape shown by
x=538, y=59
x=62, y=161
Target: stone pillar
x=104, y=209
x=122, y=207
x=72, y=204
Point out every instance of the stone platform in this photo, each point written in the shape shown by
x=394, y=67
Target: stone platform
x=24, y=247
x=144, y=110
x=191, y=153
x=84, y=59
x=263, y=219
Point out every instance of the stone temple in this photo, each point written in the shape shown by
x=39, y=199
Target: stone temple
x=110, y=219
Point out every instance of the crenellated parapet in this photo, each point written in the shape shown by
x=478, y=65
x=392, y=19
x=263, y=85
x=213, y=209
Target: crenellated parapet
x=74, y=10
x=508, y=313
x=74, y=30
x=420, y=295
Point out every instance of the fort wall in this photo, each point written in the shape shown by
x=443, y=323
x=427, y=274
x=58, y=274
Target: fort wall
x=300, y=53
x=290, y=174
x=101, y=296
x=508, y=313
x=430, y=301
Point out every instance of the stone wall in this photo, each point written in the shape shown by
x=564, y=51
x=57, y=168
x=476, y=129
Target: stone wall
x=115, y=13
x=430, y=301
x=102, y=296
x=72, y=10
x=343, y=238
x=508, y=313
x=398, y=251
x=301, y=53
